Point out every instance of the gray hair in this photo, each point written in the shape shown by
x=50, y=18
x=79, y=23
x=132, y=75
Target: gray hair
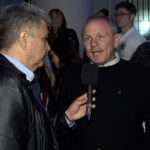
x=110, y=22
x=15, y=18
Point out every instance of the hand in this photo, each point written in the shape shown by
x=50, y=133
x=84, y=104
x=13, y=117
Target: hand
x=77, y=109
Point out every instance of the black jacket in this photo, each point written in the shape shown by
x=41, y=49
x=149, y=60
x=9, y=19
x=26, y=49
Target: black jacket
x=122, y=105
x=24, y=124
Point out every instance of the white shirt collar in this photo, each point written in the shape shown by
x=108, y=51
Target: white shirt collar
x=29, y=74
x=112, y=62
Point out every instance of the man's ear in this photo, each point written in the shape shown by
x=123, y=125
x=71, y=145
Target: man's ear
x=23, y=39
x=117, y=37
x=132, y=16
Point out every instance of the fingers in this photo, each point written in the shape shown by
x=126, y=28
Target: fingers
x=78, y=108
x=82, y=99
x=93, y=91
x=93, y=99
x=93, y=106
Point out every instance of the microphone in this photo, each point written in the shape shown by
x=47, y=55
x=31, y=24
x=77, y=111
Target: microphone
x=89, y=77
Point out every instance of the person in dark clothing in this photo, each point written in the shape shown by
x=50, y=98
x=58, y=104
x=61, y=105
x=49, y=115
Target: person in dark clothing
x=64, y=47
x=142, y=55
x=59, y=32
x=24, y=122
x=121, y=120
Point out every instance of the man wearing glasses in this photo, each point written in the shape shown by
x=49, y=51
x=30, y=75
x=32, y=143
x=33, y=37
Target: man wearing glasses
x=131, y=39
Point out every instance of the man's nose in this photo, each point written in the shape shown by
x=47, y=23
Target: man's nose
x=93, y=42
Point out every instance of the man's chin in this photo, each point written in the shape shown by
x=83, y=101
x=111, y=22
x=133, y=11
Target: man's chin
x=98, y=62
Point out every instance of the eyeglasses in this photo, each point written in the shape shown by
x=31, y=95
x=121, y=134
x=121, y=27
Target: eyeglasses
x=122, y=14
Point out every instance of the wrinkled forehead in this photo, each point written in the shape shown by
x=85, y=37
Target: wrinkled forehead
x=97, y=25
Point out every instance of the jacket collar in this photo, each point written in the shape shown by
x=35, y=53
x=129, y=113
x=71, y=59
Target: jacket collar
x=9, y=66
x=112, y=62
x=29, y=74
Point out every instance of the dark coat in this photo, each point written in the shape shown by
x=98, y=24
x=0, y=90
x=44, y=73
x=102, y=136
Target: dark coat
x=122, y=105
x=24, y=124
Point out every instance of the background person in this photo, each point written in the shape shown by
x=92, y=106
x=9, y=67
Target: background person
x=131, y=38
x=64, y=48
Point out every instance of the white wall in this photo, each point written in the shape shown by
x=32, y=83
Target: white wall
x=98, y=4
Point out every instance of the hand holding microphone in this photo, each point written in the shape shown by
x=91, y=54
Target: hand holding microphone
x=89, y=77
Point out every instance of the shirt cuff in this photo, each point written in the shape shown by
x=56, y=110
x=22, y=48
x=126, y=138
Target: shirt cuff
x=69, y=122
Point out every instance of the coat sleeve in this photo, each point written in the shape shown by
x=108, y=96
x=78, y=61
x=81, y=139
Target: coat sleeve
x=146, y=145
x=12, y=117
x=147, y=125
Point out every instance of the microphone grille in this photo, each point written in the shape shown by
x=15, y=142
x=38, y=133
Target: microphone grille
x=89, y=74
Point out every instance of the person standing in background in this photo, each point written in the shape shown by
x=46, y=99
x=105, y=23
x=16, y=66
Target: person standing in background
x=59, y=32
x=64, y=47
x=131, y=38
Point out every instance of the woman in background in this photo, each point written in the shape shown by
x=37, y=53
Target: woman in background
x=64, y=47
x=59, y=31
